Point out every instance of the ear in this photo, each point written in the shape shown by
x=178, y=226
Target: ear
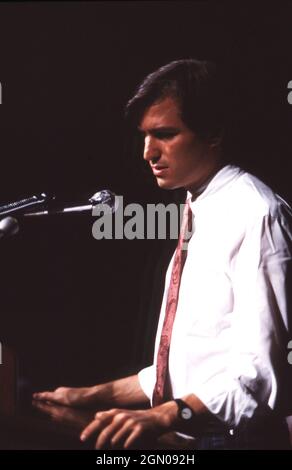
x=215, y=142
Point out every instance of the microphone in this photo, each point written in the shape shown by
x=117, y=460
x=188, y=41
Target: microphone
x=102, y=197
x=18, y=206
x=8, y=226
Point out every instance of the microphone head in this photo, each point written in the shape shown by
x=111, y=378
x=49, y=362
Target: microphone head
x=105, y=196
x=8, y=226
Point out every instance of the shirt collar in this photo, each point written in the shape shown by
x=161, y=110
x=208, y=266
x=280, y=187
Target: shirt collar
x=222, y=178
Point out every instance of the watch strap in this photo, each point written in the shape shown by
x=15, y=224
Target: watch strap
x=184, y=410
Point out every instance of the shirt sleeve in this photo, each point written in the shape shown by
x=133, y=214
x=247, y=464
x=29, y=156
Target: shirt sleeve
x=255, y=374
x=147, y=378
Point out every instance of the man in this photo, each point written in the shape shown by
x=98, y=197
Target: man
x=226, y=377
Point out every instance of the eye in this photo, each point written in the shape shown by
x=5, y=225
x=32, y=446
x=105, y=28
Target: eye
x=165, y=135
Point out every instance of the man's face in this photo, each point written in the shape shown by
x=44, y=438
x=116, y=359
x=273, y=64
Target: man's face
x=177, y=156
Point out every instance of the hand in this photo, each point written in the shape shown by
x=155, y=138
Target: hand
x=68, y=396
x=125, y=428
x=74, y=417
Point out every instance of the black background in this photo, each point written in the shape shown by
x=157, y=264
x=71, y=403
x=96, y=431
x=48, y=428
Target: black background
x=75, y=309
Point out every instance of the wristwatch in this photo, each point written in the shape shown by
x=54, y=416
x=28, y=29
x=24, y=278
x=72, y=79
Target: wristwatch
x=184, y=412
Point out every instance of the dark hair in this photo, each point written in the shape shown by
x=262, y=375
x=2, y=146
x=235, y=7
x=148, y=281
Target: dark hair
x=199, y=89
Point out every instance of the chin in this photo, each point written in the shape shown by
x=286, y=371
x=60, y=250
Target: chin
x=164, y=184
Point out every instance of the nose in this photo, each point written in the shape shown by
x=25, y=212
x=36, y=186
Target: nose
x=151, y=148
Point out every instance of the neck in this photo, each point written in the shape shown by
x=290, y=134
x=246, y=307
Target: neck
x=200, y=185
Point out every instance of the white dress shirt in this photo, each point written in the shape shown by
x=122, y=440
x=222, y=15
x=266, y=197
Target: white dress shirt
x=230, y=334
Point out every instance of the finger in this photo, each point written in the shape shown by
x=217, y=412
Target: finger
x=92, y=427
x=39, y=404
x=111, y=412
x=106, y=434
x=122, y=433
x=42, y=405
x=43, y=396
x=136, y=434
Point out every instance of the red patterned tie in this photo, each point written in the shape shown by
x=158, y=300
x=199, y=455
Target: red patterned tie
x=171, y=305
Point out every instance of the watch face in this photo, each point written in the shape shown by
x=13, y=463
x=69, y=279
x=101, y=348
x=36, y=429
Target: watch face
x=186, y=413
